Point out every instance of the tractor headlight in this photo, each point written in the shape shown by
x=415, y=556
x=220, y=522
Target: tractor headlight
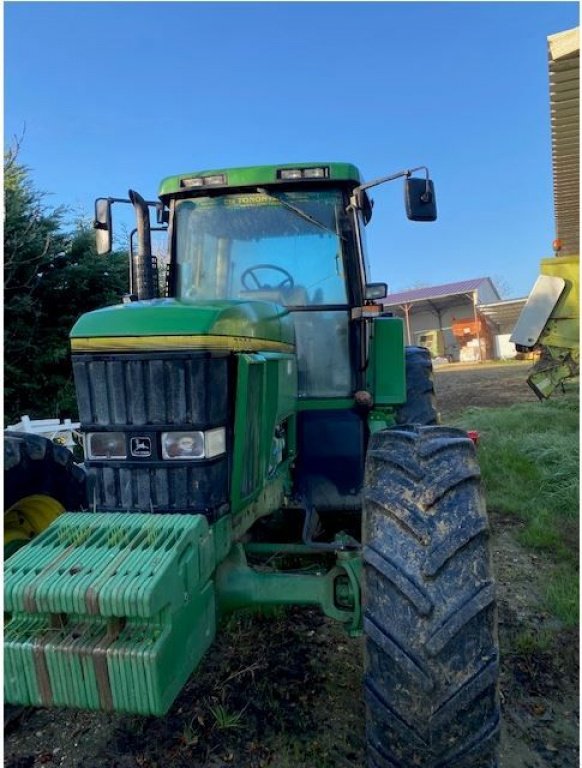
x=193, y=445
x=183, y=445
x=106, y=445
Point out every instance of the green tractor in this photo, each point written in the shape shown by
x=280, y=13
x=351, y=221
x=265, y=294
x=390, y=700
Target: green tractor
x=257, y=407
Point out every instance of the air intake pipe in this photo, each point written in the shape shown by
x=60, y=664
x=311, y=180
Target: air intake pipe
x=143, y=264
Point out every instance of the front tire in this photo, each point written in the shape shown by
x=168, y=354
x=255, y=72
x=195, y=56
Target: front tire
x=432, y=657
x=420, y=405
x=41, y=481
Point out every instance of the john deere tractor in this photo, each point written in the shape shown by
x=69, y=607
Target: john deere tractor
x=256, y=406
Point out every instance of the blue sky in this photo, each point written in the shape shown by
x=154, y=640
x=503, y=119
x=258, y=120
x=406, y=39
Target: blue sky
x=119, y=95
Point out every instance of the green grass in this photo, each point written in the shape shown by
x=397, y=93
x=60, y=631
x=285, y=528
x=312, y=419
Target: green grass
x=224, y=719
x=529, y=455
x=563, y=595
x=528, y=642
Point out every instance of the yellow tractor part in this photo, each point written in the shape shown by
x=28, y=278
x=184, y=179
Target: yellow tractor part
x=560, y=338
x=549, y=323
x=27, y=518
x=41, y=481
x=562, y=329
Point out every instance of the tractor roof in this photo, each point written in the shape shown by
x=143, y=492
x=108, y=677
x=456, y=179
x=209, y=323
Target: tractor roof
x=254, y=175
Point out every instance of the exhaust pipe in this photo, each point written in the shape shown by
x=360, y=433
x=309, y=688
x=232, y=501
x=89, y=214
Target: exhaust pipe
x=143, y=267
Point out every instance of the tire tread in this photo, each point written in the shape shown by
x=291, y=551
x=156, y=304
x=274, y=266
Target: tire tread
x=431, y=675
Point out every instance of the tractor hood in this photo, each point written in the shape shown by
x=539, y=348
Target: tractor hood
x=165, y=324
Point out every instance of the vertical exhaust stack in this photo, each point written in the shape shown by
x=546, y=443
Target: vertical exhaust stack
x=143, y=271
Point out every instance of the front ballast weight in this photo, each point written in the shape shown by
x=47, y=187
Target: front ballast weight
x=109, y=612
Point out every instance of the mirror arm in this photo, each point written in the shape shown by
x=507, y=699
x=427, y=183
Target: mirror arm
x=149, y=203
x=355, y=199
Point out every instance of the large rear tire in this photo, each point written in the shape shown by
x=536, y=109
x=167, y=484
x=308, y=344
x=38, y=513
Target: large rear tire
x=41, y=481
x=432, y=657
x=420, y=405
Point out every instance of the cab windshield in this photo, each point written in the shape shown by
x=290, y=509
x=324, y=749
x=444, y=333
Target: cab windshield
x=286, y=247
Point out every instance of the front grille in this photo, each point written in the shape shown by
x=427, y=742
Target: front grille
x=139, y=390
x=199, y=487
x=145, y=395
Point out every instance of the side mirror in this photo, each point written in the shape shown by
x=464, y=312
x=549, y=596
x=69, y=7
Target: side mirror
x=420, y=199
x=376, y=291
x=103, y=225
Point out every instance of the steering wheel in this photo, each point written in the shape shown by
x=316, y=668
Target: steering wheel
x=249, y=273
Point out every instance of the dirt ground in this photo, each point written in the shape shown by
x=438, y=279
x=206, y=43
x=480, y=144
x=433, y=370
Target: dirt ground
x=285, y=692
x=461, y=386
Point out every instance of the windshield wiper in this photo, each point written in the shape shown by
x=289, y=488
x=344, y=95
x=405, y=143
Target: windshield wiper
x=301, y=213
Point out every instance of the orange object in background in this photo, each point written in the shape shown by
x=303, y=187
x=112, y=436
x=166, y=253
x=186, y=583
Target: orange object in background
x=474, y=338
x=468, y=328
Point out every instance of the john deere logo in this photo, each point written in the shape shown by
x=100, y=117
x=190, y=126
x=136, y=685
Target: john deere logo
x=141, y=446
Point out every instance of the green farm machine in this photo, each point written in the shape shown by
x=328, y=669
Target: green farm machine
x=256, y=407
x=549, y=324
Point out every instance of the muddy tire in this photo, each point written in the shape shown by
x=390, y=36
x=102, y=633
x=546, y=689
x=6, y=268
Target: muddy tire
x=41, y=480
x=420, y=405
x=432, y=656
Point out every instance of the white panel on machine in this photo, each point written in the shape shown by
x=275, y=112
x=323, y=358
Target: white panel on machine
x=537, y=310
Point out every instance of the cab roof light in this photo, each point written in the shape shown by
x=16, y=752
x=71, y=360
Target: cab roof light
x=212, y=181
x=216, y=180
x=315, y=173
x=291, y=174
x=188, y=183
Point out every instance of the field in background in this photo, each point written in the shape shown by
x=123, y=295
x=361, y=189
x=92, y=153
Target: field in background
x=485, y=385
x=284, y=691
x=529, y=456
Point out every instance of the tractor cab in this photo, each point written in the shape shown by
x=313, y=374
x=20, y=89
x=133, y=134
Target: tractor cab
x=290, y=235
x=294, y=243
x=292, y=248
